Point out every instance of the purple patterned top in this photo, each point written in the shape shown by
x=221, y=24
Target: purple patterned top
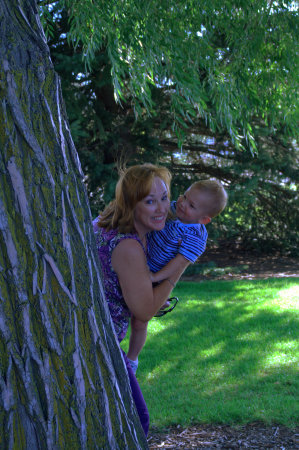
x=106, y=242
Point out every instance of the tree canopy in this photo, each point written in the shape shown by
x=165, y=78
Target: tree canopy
x=263, y=186
x=225, y=62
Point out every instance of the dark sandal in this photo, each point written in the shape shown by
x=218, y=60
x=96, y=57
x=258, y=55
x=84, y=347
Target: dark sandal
x=164, y=311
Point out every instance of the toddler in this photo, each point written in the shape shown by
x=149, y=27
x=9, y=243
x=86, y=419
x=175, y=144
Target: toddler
x=182, y=241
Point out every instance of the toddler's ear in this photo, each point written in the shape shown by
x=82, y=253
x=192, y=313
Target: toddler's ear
x=205, y=220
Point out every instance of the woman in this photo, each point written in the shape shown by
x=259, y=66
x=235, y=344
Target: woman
x=141, y=205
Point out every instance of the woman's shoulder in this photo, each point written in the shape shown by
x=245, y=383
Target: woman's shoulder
x=127, y=244
x=114, y=236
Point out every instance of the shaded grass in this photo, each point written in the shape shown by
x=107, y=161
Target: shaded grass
x=228, y=353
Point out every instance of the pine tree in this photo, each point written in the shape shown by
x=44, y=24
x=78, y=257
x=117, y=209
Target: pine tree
x=106, y=133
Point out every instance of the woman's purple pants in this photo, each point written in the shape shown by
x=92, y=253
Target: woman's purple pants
x=137, y=396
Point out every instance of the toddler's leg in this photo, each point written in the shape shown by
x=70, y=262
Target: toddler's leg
x=137, y=340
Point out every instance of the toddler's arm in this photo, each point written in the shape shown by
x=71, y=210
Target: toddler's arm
x=179, y=262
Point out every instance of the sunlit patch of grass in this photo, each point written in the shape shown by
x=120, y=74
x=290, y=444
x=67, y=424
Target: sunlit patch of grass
x=283, y=354
x=213, y=351
x=228, y=353
x=158, y=327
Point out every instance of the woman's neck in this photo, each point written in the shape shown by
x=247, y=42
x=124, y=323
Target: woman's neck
x=143, y=240
x=142, y=235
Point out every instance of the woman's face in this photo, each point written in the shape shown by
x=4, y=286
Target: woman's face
x=151, y=212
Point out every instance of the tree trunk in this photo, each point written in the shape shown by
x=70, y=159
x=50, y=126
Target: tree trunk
x=63, y=383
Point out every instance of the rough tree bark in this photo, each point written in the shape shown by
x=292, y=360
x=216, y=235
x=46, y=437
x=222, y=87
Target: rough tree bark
x=62, y=379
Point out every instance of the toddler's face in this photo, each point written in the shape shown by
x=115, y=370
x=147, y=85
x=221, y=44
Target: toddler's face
x=192, y=207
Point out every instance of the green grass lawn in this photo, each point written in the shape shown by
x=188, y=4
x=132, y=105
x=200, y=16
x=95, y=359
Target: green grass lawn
x=228, y=353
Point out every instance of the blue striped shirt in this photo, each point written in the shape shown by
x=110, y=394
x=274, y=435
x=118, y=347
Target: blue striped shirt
x=189, y=240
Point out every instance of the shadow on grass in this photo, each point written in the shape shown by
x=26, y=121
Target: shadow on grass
x=217, y=358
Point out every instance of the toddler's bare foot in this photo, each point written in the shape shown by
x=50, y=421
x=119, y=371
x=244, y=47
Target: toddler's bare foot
x=166, y=304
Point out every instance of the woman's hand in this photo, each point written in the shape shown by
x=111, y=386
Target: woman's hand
x=153, y=277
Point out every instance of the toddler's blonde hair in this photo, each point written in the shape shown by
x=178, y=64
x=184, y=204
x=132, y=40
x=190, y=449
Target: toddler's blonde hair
x=216, y=193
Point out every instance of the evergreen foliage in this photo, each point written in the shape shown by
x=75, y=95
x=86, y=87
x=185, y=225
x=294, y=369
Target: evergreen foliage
x=253, y=108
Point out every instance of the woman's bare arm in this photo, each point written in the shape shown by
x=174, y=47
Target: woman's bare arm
x=129, y=262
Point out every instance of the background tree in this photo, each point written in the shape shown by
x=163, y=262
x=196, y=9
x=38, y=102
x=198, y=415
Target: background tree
x=263, y=185
x=62, y=379
x=222, y=61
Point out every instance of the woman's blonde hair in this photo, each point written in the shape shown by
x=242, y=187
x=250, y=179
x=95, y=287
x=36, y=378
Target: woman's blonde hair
x=133, y=185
